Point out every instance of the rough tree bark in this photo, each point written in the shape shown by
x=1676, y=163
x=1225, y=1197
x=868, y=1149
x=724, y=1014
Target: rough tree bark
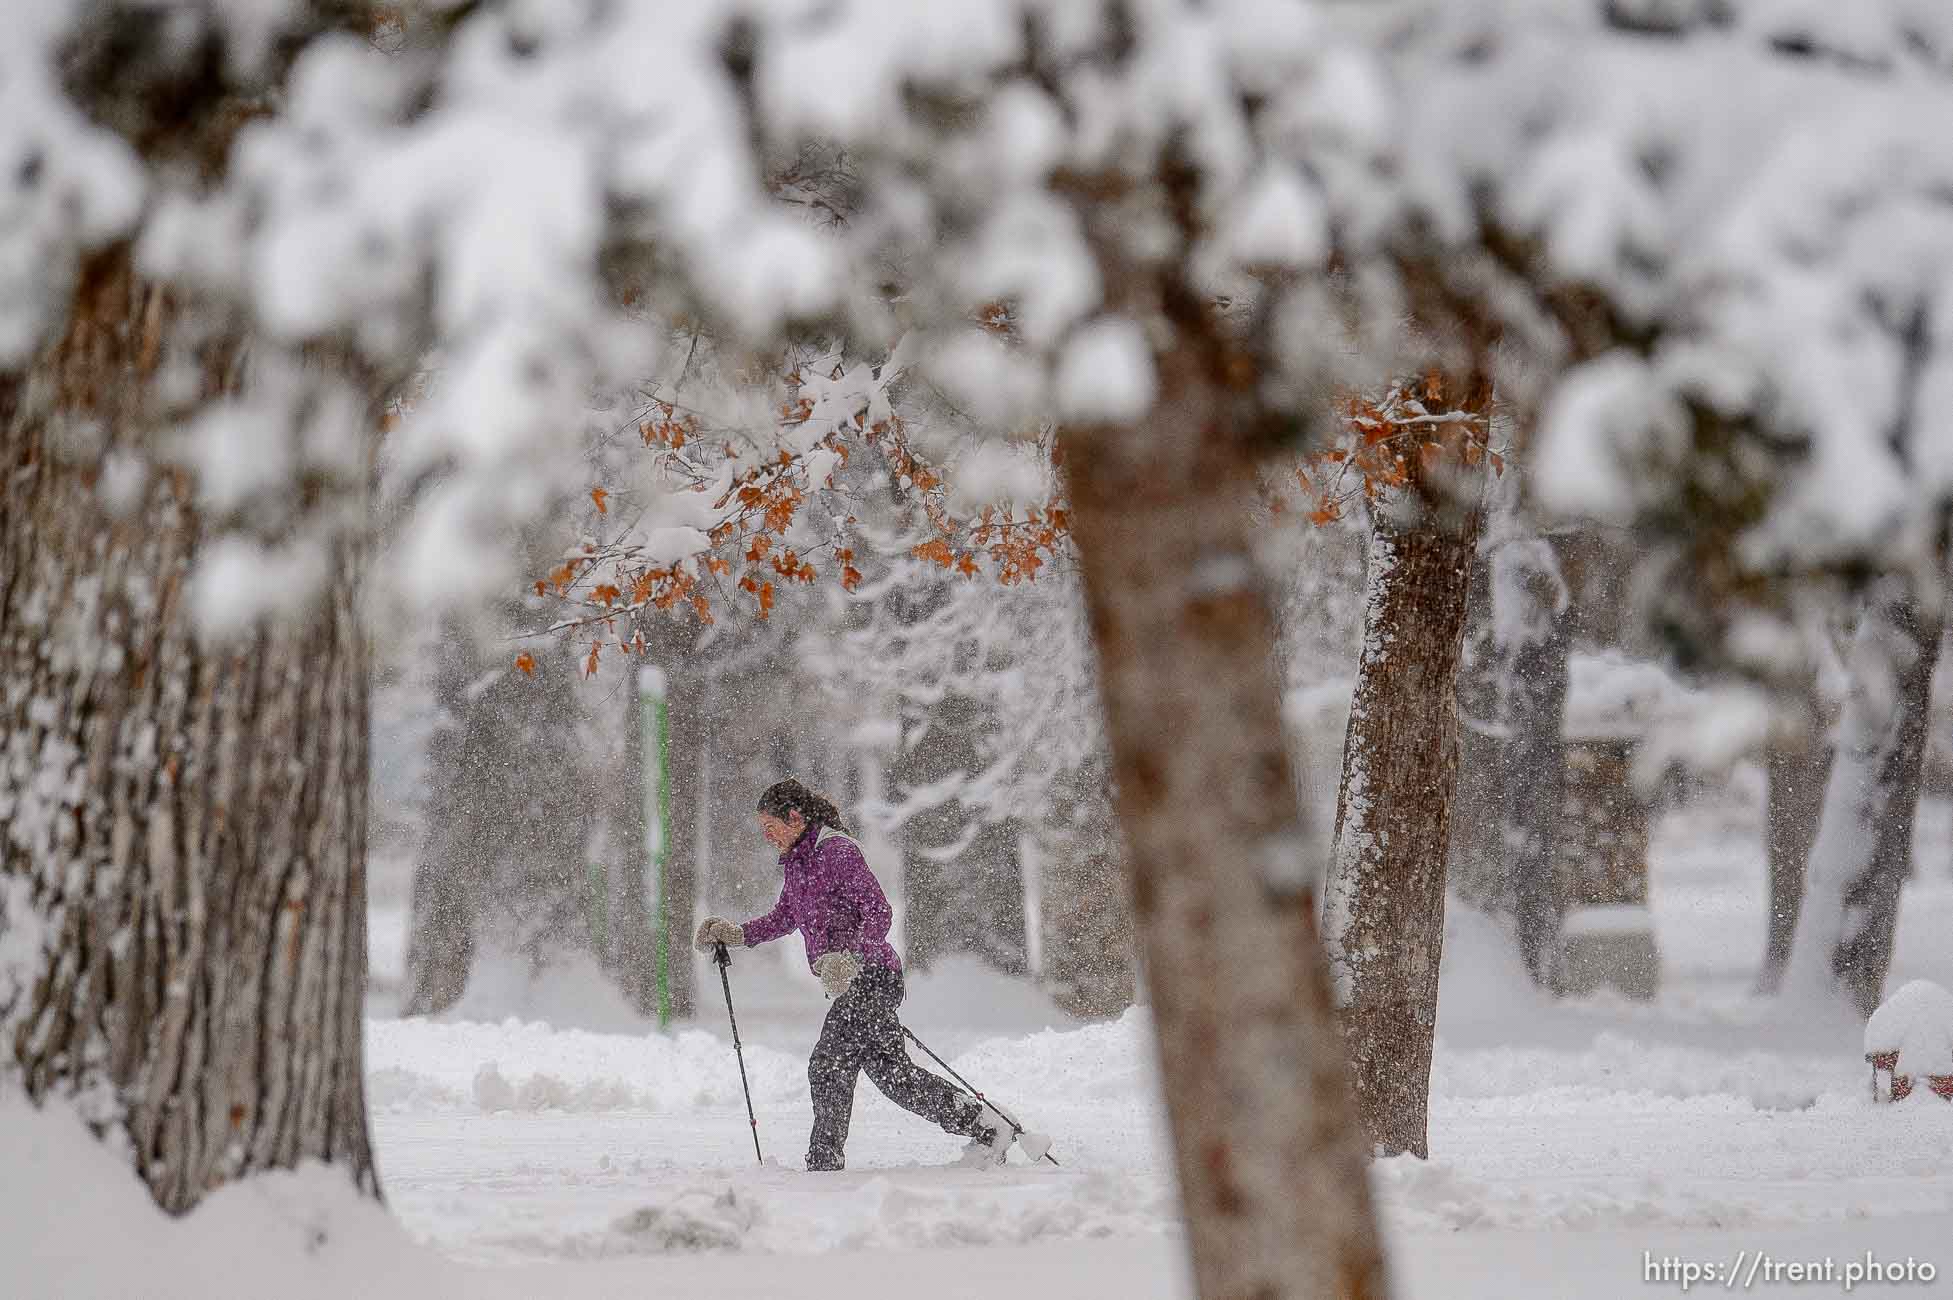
x=1383, y=915
x=182, y=887
x=1270, y=1164
x=1863, y=849
x=1086, y=924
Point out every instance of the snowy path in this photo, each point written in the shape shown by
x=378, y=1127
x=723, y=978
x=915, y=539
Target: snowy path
x=586, y=1144
x=502, y=1189
x=499, y=1189
x=1566, y=1140
x=1628, y=1146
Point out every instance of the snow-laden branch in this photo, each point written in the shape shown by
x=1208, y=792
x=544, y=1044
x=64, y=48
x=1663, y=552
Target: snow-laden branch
x=1712, y=262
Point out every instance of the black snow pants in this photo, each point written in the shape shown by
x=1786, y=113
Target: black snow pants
x=862, y=1034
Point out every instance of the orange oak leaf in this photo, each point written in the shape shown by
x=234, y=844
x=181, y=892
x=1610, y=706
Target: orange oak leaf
x=935, y=549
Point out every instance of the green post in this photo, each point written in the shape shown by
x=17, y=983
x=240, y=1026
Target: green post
x=656, y=734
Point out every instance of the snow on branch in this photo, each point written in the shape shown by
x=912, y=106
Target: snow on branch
x=1714, y=265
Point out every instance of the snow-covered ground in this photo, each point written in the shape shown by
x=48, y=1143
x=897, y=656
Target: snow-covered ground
x=1566, y=1139
x=541, y=1141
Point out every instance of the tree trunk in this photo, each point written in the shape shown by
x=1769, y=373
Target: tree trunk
x=1863, y=850
x=453, y=856
x=1511, y=786
x=1797, y=767
x=750, y=701
x=965, y=889
x=182, y=872
x=1533, y=638
x=1477, y=870
x=1271, y=1170
x=1086, y=926
x=630, y=951
x=1383, y=915
x=963, y=870
x=503, y=864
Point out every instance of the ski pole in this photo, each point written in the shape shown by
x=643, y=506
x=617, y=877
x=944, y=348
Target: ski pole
x=1016, y=1128
x=723, y=960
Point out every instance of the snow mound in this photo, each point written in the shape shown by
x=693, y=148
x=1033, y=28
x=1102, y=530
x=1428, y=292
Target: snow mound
x=1435, y=1196
x=544, y=1091
x=1614, y=694
x=527, y=1066
x=78, y=1223
x=1917, y=1023
x=1482, y=981
x=1113, y=1059
x=1616, y=1070
x=695, y=1220
x=418, y=1064
x=395, y=1089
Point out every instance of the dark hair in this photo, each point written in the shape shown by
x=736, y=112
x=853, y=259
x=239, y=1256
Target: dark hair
x=783, y=797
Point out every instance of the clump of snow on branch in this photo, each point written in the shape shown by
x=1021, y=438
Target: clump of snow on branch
x=1015, y=477
x=1736, y=235
x=69, y=186
x=1106, y=374
x=1755, y=206
x=717, y=475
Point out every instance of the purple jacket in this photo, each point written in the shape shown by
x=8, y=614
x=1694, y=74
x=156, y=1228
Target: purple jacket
x=831, y=897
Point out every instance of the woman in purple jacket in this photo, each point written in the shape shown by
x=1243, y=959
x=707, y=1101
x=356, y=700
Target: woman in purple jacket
x=831, y=897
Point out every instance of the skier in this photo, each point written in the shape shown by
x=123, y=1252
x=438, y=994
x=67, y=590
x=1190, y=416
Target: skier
x=832, y=898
